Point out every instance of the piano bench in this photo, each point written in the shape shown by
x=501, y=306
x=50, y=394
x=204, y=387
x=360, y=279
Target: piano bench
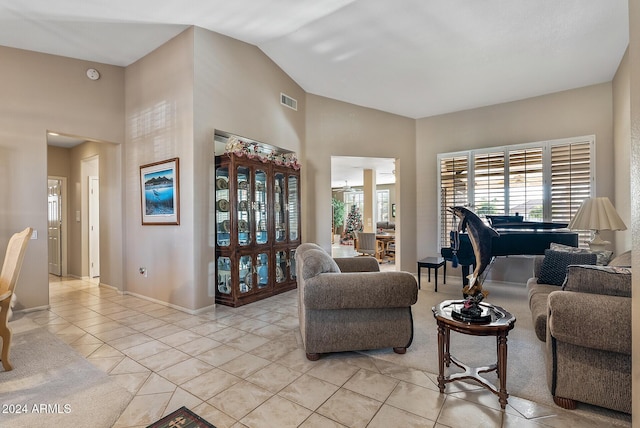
x=432, y=263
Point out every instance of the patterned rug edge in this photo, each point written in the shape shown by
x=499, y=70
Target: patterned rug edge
x=183, y=418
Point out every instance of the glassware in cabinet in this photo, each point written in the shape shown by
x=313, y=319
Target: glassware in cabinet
x=260, y=207
x=245, y=273
x=293, y=208
x=243, y=208
x=281, y=266
x=224, y=275
x=279, y=207
x=223, y=215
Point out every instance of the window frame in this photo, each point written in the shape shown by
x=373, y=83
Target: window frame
x=546, y=146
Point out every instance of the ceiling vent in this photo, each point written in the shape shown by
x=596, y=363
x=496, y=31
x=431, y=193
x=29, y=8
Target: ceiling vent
x=287, y=101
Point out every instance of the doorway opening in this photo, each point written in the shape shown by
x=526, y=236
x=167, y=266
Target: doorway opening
x=57, y=227
x=75, y=214
x=364, y=198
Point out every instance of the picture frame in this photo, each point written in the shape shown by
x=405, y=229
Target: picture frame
x=160, y=192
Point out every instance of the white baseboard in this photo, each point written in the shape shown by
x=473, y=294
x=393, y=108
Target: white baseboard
x=34, y=309
x=171, y=305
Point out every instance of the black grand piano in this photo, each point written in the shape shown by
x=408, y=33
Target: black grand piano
x=517, y=237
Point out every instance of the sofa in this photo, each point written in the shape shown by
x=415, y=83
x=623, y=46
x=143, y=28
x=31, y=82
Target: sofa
x=586, y=324
x=386, y=226
x=347, y=304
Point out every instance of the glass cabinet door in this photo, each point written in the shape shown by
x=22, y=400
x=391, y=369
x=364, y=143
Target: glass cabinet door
x=244, y=206
x=292, y=264
x=224, y=275
x=260, y=207
x=279, y=207
x=223, y=223
x=246, y=274
x=281, y=266
x=263, y=270
x=293, y=208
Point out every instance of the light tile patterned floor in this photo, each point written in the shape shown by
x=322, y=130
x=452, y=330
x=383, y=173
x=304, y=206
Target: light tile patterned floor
x=244, y=367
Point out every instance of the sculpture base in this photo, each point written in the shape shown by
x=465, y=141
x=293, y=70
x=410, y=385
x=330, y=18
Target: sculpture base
x=474, y=313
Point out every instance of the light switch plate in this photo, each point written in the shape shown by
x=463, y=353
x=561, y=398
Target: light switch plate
x=34, y=234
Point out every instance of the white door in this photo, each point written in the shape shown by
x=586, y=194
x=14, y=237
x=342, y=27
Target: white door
x=94, y=227
x=54, y=231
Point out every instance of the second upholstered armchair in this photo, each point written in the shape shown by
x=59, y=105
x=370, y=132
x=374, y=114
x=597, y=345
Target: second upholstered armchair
x=347, y=304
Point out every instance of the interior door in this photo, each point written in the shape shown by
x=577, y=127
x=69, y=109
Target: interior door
x=94, y=227
x=54, y=231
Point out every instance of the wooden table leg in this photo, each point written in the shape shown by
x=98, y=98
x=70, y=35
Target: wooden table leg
x=502, y=369
x=441, y=356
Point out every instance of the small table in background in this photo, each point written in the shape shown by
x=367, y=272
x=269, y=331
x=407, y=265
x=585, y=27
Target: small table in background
x=432, y=263
x=499, y=326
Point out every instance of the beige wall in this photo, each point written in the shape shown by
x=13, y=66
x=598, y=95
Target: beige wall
x=622, y=151
x=236, y=89
x=159, y=126
x=634, y=73
x=583, y=111
x=176, y=97
x=335, y=128
x=39, y=93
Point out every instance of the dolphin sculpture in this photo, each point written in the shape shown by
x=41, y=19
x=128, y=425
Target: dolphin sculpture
x=480, y=236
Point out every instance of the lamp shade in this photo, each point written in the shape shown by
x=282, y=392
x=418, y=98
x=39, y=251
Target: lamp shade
x=597, y=214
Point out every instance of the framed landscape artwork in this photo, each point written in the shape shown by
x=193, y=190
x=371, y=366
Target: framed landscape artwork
x=160, y=192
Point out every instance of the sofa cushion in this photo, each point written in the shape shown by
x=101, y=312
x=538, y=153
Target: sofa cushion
x=609, y=280
x=315, y=262
x=603, y=256
x=554, y=266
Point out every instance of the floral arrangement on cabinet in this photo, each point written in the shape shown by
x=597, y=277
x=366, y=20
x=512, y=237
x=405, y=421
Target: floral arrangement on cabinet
x=252, y=151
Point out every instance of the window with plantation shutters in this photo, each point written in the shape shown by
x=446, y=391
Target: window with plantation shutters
x=454, y=173
x=570, y=179
x=544, y=181
x=489, y=184
x=526, y=183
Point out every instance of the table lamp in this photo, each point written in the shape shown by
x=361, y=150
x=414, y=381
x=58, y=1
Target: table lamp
x=597, y=214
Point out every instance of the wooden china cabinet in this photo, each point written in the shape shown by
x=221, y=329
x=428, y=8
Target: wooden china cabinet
x=257, y=198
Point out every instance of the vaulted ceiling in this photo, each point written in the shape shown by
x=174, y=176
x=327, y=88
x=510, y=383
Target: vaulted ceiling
x=415, y=58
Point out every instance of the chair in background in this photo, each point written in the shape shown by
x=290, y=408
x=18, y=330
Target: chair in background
x=390, y=250
x=8, y=278
x=368, y=245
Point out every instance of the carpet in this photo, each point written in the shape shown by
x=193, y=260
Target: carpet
x=526, y=376
x=183, y=418
x=52, y=385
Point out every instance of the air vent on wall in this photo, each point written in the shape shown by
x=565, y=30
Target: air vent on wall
x=286, y=100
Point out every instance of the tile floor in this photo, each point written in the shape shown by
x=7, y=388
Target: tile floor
x=244, y=367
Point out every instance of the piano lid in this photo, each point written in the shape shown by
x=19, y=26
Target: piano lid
x=529, y=225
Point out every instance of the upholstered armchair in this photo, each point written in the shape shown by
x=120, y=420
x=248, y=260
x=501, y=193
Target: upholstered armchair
x=347, y=304
x=586, y=324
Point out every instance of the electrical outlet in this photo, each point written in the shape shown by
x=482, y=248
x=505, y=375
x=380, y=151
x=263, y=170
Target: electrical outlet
x=143, y=271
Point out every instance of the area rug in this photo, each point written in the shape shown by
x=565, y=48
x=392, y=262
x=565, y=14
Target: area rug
x=52, y=385
x=183, y=418
x=526, y=376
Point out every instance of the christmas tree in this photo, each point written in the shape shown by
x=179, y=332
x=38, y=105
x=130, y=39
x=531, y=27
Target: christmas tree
x=353, y=224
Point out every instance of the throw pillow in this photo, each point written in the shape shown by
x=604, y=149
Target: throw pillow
x=554, y=266
x=603, y=255
x=623, y=260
